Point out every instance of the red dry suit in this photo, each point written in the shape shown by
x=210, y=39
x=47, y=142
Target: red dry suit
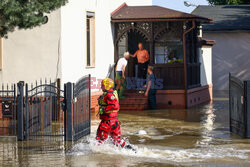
x=109, y=125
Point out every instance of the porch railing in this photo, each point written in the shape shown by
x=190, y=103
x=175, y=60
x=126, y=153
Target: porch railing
x=172, y=75
x=193, y=75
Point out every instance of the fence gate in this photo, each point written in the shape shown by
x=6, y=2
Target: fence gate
x=78, y=109
x=43, y=116
x=239, y=106
x=8, y=110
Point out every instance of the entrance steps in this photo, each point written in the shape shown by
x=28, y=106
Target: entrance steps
x=133, y=101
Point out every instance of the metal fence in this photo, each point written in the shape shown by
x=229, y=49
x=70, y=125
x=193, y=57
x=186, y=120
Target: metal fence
x=8, y=112
x=43, y=116
x=43, y=111
x=81, y=108
x=239, y=106
x=78, y=108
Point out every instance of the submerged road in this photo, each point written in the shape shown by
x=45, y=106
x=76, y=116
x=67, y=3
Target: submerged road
x=195, y=137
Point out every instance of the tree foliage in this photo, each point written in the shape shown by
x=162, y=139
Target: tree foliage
x=228, y=2
x=25, y=14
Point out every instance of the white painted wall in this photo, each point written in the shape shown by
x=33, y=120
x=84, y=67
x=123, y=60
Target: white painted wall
x=74, y=37
x=206, y=65
x=230, y=54
x=29, y=55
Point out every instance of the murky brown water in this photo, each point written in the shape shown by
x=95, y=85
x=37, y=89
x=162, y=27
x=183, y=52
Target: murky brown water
x=195, y=137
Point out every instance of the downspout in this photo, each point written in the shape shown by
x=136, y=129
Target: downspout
x=185, y=60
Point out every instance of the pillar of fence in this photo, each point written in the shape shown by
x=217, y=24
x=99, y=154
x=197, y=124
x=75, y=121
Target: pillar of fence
x=58, y=92
x=89, y=87
x=68, y=114
x=20, y=99
x=247, y=108
x=26, y=112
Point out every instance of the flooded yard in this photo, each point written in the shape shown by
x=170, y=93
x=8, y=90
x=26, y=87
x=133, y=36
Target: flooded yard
x=196, y=137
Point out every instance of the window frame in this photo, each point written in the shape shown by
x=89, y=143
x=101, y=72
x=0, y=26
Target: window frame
x=90, y=15
x=1, y=53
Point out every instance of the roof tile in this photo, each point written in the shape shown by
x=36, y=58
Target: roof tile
x=125, y=12
x=226, y=17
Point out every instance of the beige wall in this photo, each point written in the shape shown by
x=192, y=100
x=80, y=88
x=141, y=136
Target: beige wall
x=74, y=37
x=231, y=53
x=29, y=55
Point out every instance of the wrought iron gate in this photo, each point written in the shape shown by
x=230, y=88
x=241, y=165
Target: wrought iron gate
x=78, y=114
x=239, y=106
x=43, y=116
x=44, y=111
x=8, y=110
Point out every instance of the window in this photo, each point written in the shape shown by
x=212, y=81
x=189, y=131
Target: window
x=1, y=53
x=122, y=46
x=90, y=39
x=168, y=49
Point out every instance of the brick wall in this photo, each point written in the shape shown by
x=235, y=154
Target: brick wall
x=94, y=101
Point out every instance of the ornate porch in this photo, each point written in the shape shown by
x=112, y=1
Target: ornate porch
x=163, y=32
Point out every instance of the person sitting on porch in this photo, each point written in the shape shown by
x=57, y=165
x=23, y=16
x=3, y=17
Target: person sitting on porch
x=150, y=88
x=171, y=58
x=143, y=58
x=120, y=73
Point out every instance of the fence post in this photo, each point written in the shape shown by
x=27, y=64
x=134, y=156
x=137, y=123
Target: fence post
x=230, y=103
x=68, y=122
x=247, y=108
x=27, y=112
x=58, y=85
x=89, y=85
x=20, y=111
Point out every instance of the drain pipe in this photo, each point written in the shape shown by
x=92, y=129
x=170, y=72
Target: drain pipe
x=185, y=60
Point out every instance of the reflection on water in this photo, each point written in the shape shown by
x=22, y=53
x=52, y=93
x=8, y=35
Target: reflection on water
x=198, y=136
x=208, y=125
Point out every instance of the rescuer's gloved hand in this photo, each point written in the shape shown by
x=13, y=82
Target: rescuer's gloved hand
x=101, y=111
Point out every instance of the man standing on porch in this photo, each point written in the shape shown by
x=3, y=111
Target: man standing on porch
x=142, y=57
x=120, y=74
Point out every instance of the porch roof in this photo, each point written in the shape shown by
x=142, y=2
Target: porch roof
x=152, y=13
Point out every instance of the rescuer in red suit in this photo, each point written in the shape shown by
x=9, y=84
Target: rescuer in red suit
x=108, y=111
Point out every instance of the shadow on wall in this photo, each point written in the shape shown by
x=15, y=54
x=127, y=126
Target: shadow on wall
x=111, y=72
x=230, y=54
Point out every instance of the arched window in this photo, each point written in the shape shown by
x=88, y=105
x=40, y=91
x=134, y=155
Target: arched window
x=122, y=46
x=169, y=46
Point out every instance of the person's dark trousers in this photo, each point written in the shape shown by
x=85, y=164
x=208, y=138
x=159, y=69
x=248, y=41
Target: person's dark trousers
x=142, y=74
x=152, y=99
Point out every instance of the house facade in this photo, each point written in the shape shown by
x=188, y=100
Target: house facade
x=231, y=31
x=94, y=54
x=187, y=81
x=88, y=37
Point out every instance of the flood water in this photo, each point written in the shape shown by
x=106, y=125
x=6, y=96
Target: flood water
x=196, y=137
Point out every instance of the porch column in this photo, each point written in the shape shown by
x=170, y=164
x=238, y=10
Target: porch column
x=115, y=43
x=185, y=58
x=185, y=64
x=151, y=61
x=151, y=43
